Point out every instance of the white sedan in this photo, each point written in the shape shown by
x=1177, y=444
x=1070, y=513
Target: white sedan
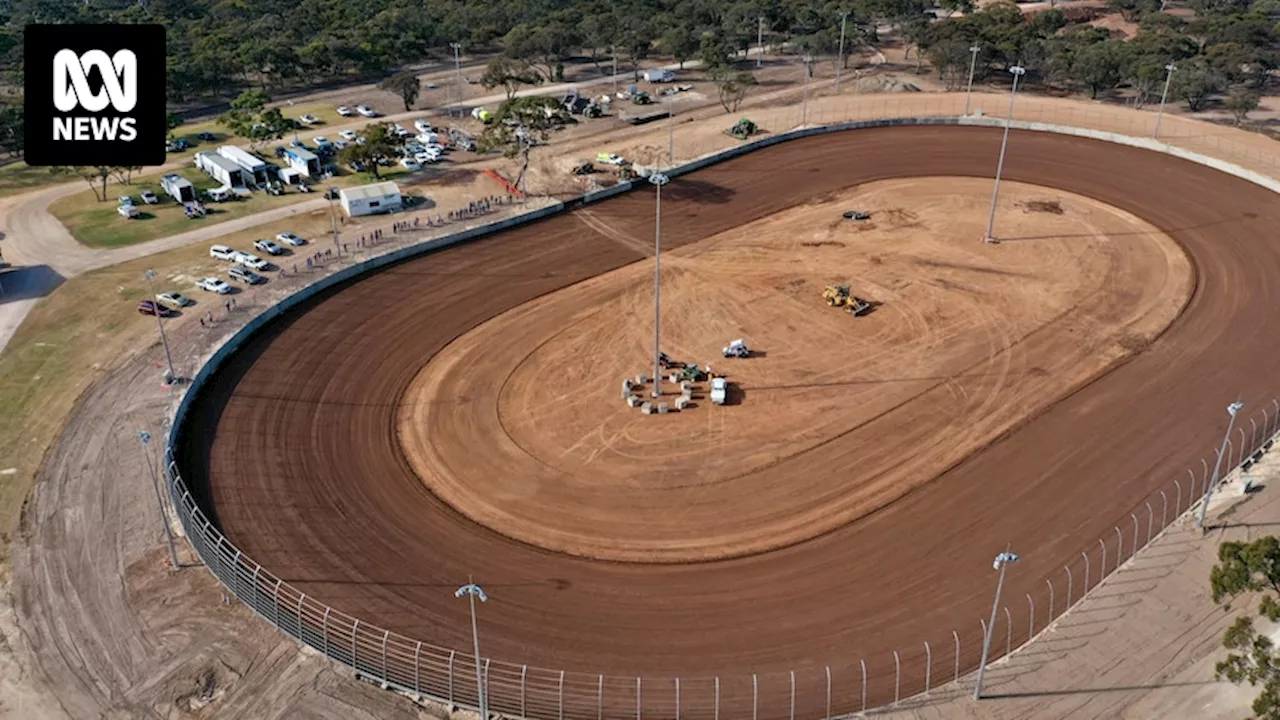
x=424, y=157
x=289, y=238
x=175, y=300
x=422, y=125
x=213, y=284
x=348, y=135
x=308, y=119
x=345, y=111
x=410, y=165
x=366, y=111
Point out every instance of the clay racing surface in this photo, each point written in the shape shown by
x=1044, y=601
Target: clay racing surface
x=297, y=446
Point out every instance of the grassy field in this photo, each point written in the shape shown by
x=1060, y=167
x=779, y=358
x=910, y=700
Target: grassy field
x=19, y=177
x=97, y=224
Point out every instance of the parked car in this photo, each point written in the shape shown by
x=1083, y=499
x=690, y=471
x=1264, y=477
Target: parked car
x=177, y=145
x=151, y=307
x=339, y=144
x=298, y=144
x=422, y=125
x=410, y=165
x=213, y=284
x=148, y=197
x=175, y=300
x=280, y=151
x=222, y=252
x=128, y=211
x=250, y=260
x=426, y=158
x=308, y=119
x=610, y=159
x=268, y=247
x=289, y=238
x=245, y=275
x=206, y=136
x=348, y=135
x=332, y=194
x=126, y=200
x=366, y=111
x=398, y=129
x=345, y=111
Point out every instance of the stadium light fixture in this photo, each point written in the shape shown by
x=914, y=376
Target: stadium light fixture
x=1155, y=135
x=1001, y=563
x=1233, y=409
x=471, y=591
x=658, y=180
x=1017, y=71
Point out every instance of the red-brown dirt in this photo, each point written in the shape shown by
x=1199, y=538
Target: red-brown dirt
x=296, y=451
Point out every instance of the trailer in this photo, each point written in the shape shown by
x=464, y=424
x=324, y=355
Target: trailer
x=255, y=167
x=178, y=188
x=645, y=118
x=221, y=169
x=302, y=160
x=383, y=197
x=659, y=76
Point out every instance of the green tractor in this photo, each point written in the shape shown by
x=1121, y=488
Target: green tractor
x=642, y=98
x=743, y=129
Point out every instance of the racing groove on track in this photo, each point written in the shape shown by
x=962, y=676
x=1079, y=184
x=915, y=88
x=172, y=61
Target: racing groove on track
x=305, y=475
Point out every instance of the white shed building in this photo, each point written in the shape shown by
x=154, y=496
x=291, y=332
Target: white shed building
x=372, y=199
x=221, y=169
x=254, y=166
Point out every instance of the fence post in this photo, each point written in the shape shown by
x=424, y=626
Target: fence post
x=1151, y=519
x=793, y=695
x=1086, y=572
x=828, y=715
x=638, y=711
x=755, y=697
x=385, y=635
x=324, y=629
x=863, y=663
x=1276, y=403
x=417, y=669
x=1031, y=622
x=524, y=674
x=956, y=635
x=1164, y=509
x=452, y=655
x=928, y=667
x=599, y=699
x=1253, y=435
x=275, y=604
x=301, y=636
x=1119, y=547
x=1240, y=459
x=253, y=581
x=1049, y=582
x=1008, y=629
x=562, y=693
x=1102, y=574
x=484, y=681
x=677, y=699
x=717, y=698
x=1177, y=501
x=354, y=664
x=1204, y=479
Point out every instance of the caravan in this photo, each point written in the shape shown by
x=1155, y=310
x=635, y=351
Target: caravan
x=255, y=168
x=219, y=168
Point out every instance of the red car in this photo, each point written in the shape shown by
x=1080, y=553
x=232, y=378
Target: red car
x=150, y=307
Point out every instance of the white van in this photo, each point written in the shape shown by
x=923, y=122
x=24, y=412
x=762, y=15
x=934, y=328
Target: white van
x=221, y=194
x=222, y=252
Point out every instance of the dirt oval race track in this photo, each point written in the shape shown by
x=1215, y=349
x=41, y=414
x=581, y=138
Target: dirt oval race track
x=293, y=445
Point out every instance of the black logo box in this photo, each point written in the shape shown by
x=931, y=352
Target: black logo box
x=147, y=42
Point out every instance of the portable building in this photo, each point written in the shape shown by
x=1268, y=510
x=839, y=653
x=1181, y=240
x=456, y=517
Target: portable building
x=304, y=161
x=371, y=199
x=178, y=188
x=254, y=166
x=659, y=76
x=221, y=169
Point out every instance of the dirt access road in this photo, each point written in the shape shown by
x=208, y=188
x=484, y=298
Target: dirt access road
x=282, y=467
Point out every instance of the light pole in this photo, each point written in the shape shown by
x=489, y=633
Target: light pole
x=472, y=591
x=1018, y=71
x=759, y=41
x=168, y=359
x=1163, y=96
x=145, y=437
x=613, y=50
x=844, y=18
x=1002, y=561
x=658, y=180
x=457, y=69
x=1232, y=410
x=968, y=91
x=333, y=220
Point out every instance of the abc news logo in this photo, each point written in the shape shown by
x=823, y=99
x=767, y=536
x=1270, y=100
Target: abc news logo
x=95, y=94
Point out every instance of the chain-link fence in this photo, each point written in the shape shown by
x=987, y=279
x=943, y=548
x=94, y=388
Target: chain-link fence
x=854, y=686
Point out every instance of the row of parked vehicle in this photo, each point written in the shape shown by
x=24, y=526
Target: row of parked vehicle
x=245, y=263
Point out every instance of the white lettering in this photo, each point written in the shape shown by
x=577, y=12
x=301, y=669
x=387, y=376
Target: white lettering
x=62, y=128
x=105, y=128
x=82, y=128
x=129, y=132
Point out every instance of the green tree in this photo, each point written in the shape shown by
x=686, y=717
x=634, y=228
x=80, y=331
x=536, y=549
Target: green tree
x=406, y=85
x=680, y=42
x=520, y=125
x=1250, y=567
x=96, y=175
x=12, y=130
x=377, y=143
x=509, y=74
x=1241, y=103
x=732, y=86
x=1195, y=82
x=1099, y=65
